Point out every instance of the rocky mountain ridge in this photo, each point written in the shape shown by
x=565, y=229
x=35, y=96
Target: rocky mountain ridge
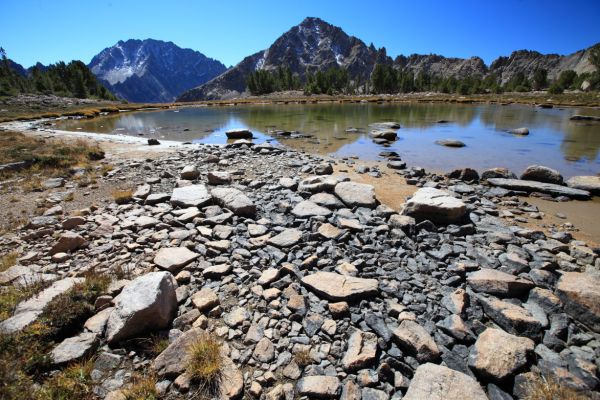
x=152, y=70
x=317, y=45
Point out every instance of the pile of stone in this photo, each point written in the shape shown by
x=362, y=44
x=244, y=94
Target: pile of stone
x=315, y=288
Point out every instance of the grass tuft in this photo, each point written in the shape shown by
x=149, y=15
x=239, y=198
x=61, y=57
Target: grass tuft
x=74, y=382
x=303, y=358
x=8, y=260
x=541, y=387
x=205, y=361
x=143, y=387
x=122, y=196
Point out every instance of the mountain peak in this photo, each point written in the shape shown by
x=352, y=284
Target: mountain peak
x=152, y=70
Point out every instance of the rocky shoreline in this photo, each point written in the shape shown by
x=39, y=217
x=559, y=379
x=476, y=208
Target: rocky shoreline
x=315, y=289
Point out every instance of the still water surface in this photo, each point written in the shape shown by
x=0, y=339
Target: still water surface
x=571, y=147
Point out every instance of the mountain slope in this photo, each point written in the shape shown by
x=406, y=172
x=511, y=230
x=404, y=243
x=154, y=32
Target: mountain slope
x=527, y=62
x=437, y=65
x=313, y=44
x=152, y=70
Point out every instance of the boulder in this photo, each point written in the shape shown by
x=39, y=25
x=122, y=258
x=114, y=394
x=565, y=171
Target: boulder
x=417, y=341
x=361, y=352
x=190, y=196
x=387, y=134
x=146, y=304
x=319, y=387
x=234, y=200
x=336, y=287
x=450, y=143
x=173, y=360
x=316, y=184
x=498, y=355
x=436, y=382
x=189, y=173
x=173, y=259
x=498, y=283
x=464, y=174
x=519, y=131
x=68, y=241
x=533, y=186
x=74, y=348
x=435, y=205
x=307, y=208
x=510, y=317
x=238, y=134
x=219, y=178
x=205, y=299
x=355, y=194
x=540, y=173
x=498, y=173
x=589, y=183
x=580, y=293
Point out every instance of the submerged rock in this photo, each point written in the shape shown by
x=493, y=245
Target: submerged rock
x=450, y=143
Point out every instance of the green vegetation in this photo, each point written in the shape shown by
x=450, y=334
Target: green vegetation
x=65, y=80
x=264, y=82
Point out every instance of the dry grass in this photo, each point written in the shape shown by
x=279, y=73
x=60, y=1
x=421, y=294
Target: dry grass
x=74, y=382
x=122, y=196
x=205, y=361
x=11, y=296
x=303, y=358
x=8, y=260
x=541, y=387
x=143, y=387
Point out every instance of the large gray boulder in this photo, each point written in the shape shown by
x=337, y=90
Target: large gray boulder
x=435, y=205
x=539, y=173
x=146, y=304
x=190, y=196
x=436, y=382
x=234, y=200
x=355, y=194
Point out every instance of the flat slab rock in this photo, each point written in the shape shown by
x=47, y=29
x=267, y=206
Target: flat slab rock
x=234, y=200
x=74, y=348
x=436, y=382
x=355, y=194
x=499, y=283
x=287, y=238
x=336, y=287
x=533, y=186
x=319, y=387
x=361, y=352
x=580, y=293
x=416, y=340
x=191, y=196
x=29, y=310
x=435, y=205
x=174, y=258
x=307, y=208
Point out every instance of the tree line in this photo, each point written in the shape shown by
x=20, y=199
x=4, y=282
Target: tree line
x=387, y=79
x=66, y=80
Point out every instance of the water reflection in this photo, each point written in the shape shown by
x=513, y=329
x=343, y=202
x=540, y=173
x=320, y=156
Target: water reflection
x=571, y=147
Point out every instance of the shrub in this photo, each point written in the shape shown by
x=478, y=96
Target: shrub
x=540, y=387
x=122, y=196
x=555, y=88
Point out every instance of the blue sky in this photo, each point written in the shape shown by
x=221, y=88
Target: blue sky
x=54, y=30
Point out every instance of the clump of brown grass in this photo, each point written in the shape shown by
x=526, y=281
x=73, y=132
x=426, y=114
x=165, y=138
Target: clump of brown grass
x=205, y=361
x=8, y=260
x=303, y=358
x=142, y=387
x=122, y=196
x=74, y=382
x=12, y=295
x=540, y=387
